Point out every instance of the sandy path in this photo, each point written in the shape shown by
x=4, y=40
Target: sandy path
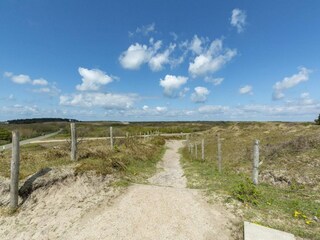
x=85, y=207
x=163, y=210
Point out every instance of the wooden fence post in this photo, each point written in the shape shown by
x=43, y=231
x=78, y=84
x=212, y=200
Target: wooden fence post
x=15, y=162
x=202, y=149
x=73, y=142
x=255, y=170
x=219, y=154
x=111, y=138
x=191, y=147
x=196, y=145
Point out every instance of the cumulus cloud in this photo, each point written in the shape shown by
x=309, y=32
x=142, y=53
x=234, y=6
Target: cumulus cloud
x=157, y=61
x=161, y=109
x=196, y=45
x=246, y=90
x=145, y=107
x=214, y=81
x=200, y=95
x=171, y=84
x=238, y=19
x=211, y=59
x=138, y=54
x=289, y=82
x=40, y=81
x=25, y=79
x=21, y=79
x=104, y=100
x=92, y=79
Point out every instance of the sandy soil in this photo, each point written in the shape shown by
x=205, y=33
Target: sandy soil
x=165, y=209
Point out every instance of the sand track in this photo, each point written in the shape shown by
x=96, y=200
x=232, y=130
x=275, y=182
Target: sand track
x=165, y=209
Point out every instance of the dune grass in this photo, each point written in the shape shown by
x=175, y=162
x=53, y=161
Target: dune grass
x=287, y=197
x=130, y=158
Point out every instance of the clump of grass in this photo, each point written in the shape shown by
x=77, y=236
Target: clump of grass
x=129, y=158
x=246, y=192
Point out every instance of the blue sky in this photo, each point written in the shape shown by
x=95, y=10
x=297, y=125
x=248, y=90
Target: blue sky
x=160, y=60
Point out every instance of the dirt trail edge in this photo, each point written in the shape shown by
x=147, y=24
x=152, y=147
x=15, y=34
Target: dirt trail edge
x=163, y=210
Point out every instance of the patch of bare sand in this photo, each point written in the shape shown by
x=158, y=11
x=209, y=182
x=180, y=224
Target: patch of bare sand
x=80, y=208
x=165, y=211
x=50, y=211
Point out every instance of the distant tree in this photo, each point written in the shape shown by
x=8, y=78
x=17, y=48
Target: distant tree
x=317, y=121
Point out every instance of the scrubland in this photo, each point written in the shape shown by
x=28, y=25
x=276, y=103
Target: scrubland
x=288, y=194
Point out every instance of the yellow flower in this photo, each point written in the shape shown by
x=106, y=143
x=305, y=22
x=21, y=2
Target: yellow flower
x=308, y=221
x=304, y=216
x=296, y=214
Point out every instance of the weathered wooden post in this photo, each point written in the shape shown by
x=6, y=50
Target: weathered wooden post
x=202, y=149
x=191, y=147
x=196, y=151
x=15, y=162
x=111, y=138
x=219, y=154
x=73, y=142
x=255, y=170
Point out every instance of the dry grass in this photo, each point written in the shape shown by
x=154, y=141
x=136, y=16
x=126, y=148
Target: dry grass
x=92, y=156
x=289, y=174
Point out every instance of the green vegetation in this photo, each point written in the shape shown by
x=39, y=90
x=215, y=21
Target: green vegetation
x=130, y=159
x=317, y=121
x=5, y=136
x=287, y=197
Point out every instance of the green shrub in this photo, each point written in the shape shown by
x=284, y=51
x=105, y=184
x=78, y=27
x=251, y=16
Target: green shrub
x=246, y=192
x=5, y=135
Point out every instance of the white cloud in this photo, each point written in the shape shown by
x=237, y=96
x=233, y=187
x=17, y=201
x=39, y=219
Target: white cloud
x=21, y=79
x=212, y=59
x=40, y=81
x=238, y=19
x=157, y=61
x=200, y=94
x=246, y=90
x=92, y=79
x=135, y=56
x=305, y=99
x=105, y=100
x=161, y=109
x=138, y=54
x=145, y=107
x=214, y=81
x=212, y=109
x=171, y=84
x=289, y=82
x=24, y=79
x=195, y=45
x=8, y=74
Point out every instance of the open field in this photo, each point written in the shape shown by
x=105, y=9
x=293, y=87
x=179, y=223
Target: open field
x=287, y=197
x=100, y=129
